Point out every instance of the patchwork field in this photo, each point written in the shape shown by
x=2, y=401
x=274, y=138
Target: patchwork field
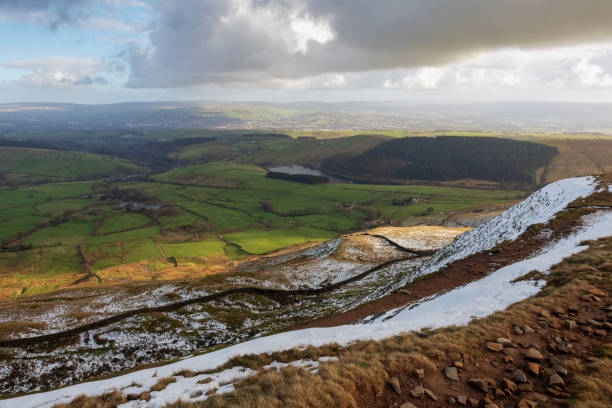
x=193, y=221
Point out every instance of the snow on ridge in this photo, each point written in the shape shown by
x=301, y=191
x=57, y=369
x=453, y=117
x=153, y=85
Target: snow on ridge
x=492, y=293
x=538, y=208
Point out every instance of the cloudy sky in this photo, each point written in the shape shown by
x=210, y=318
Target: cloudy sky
x=100, y=51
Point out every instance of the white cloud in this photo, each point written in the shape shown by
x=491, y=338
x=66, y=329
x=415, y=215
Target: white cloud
x=592, y=74
x=60, y=71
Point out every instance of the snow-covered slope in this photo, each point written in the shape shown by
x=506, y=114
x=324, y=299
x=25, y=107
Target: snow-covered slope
x=480, y=298
x=538, y=208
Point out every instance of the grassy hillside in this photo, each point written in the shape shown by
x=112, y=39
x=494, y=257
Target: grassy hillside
x=23, y=165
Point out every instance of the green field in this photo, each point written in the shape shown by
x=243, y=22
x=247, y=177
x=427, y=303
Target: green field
x=29, y=164
x=217, y=212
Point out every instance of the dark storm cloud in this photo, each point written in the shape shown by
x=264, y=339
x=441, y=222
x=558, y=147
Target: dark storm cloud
x=207, y=41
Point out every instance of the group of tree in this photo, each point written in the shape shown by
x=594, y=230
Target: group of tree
x=300, y=178
x=446, y=158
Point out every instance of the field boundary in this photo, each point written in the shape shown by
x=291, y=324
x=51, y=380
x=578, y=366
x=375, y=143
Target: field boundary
x=249, y=290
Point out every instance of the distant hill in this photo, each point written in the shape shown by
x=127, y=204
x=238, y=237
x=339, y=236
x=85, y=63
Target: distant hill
x=446, y=158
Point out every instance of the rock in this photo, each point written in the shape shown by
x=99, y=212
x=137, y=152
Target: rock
x=499, y=393
x=145, y=396
x=517, y=330
x=418, y=391
x=430, y=394
x=571, y=325
x=496, y=347
x=538, y=397
x=132, y=397
x=596, y=298
x=508, y=359
x=504, y=341
x=586, y=298
x=511, y=351
x=533, y=368
x=408, y=405
x=395, y=385
x=556, y=379
x=525, y=387
x=519, y=376
x=559, y=369
x=527, y=329
x=509, y=385
x=558, y=311
x=491, y=405
x=420, y=373
x=586, y=329
x=557, y=393
x=522, y=404
x=533, y=354
x=594, y=322
x=461, y=400
x=555, y=324
x=451, y=373
x=479, y=384
x=597, y=292
x=451, y=400
x=600, y=332
x=458, y=364
x=473, y=402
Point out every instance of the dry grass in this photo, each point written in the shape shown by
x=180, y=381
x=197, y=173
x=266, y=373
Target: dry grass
x=592, y=382
x=110, y=400
x=363, y=368
x=162, y=383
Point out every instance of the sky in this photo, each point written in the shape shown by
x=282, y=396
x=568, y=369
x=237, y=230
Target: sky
x=105, y=51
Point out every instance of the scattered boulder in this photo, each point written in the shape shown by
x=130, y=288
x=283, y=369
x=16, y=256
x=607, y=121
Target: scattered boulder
x=418, y=391
x=451, y=373
x=132, y=397
x=420, y=373
x=533, y=368
x=525, y=387
x=395, y=385
x=571, y=325
x=473, y=402
x=430, y=394
x=517, y=330
x=504, y=341
x=519, y=376
x=597, y=292
x=556, y=379
x=408, y=405
x=594, y=322
x=559, y=369
x=509, y=385
x=451, y=400
x=479, y=384
x=527, y=329
x=495, y=347
x=533, y=354
x=461, y=400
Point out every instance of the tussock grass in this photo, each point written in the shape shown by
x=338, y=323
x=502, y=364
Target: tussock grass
x=364, y=367
x=110, y=400
x=162, y=383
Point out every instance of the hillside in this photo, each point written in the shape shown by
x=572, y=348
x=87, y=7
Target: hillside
x=513, y=312
x=25, y=165
x=446, y=158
